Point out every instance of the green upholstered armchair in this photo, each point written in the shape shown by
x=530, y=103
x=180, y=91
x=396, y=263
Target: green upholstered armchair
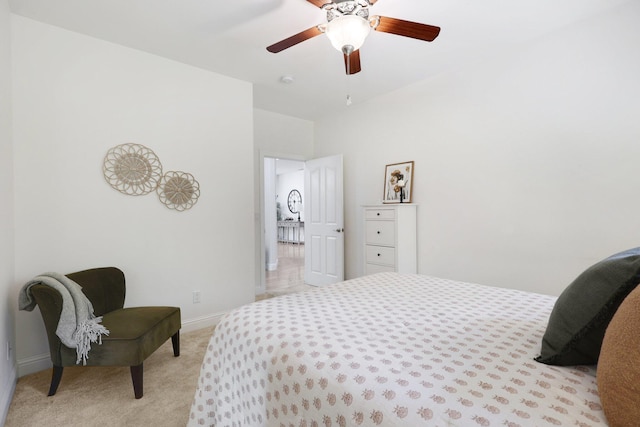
x=134, y=333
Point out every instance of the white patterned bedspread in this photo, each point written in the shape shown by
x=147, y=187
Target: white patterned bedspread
x=391, y=350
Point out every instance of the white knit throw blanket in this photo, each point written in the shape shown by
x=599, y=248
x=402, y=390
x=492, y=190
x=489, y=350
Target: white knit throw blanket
x=78, y=327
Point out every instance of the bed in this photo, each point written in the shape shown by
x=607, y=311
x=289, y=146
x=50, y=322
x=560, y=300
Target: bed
x=391, y=349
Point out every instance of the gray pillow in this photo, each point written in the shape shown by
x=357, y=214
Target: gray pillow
x=583, y=311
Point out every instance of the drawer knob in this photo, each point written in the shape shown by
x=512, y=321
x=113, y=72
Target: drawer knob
x=378, y=254
x=378, y=213
x=378, y=232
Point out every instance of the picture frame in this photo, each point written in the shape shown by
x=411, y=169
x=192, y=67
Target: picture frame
x=395, y=174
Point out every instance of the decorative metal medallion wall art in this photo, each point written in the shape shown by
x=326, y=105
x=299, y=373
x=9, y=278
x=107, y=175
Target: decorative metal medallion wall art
x=132, y=169
x=178, y=190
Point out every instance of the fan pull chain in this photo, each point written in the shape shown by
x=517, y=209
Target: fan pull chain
x=348, y=77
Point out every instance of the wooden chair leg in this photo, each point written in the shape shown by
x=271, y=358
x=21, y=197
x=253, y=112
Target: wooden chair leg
x=136, y=377
x=175, y=341
x=55, y=379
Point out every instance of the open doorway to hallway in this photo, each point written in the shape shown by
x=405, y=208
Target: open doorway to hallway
x=284, y=248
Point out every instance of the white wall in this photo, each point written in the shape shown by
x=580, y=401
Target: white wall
x=74, y=98
x=525, y=164
x=279, y=135
x=7, y=319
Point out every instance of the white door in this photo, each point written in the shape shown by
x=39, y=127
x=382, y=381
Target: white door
x=323, y=221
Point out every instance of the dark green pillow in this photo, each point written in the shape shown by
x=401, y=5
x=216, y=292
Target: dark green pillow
x=583, y=311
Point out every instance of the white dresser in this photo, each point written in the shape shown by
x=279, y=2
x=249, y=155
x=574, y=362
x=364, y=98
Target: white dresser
x=390, y=238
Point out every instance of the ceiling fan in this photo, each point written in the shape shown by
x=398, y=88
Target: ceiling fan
x=348, y=24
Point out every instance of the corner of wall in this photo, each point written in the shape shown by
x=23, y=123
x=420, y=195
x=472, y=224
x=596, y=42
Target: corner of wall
x=6, y=394
x=8, y=374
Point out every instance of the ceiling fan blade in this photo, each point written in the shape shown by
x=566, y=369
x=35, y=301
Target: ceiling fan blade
x=404, y=28
x=318, y=3
x=294, y=40
x=352, y=62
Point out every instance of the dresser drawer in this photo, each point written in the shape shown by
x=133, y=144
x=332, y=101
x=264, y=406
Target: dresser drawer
x=375, y=268
x=380, y=232
x=380, y=255
x=379, y=214
x=390, y=242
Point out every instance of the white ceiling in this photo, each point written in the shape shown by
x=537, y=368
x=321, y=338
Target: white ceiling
x=230, y=38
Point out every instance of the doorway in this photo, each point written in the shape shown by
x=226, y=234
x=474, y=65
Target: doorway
x=284, y=250
x=321, y=226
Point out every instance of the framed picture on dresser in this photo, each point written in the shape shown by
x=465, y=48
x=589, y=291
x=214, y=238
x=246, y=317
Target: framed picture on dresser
x=398, y=183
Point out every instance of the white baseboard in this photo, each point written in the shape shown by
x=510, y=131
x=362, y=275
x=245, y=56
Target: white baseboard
x=272, y=266
x=6, y=395
x=201, y=322
x=33, y=364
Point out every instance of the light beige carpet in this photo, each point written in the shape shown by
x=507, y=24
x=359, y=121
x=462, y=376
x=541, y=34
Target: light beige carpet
x=94, y=396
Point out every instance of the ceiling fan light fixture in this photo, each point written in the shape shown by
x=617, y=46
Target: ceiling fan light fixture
x=347, y=32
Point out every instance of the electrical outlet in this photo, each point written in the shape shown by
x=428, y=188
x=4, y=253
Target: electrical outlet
x=196, y=297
